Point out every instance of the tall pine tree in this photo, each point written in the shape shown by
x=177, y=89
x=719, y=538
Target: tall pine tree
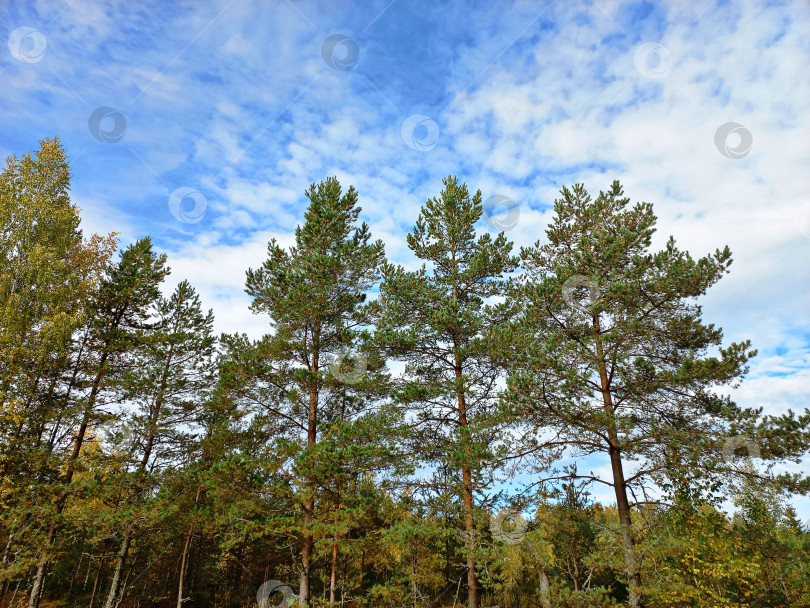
x=611, y=354
x=314, y=295
x=438, y=321
x=173, y=373
x=119, y=319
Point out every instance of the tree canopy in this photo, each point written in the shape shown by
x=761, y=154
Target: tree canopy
x=426, y=438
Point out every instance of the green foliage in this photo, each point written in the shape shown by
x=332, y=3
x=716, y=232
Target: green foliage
x=610, y=355
x=145, y=463
x=438, y=321
x=47, y=275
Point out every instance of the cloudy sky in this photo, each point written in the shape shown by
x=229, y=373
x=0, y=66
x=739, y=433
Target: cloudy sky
x=202, y=123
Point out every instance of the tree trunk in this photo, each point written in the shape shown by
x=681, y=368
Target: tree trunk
x=14, y=595
x=306, y=555
x=39, y=581
x=544, y=589
x=628, y=542
x=120, y=564
x=121, y=560
x=469, y=528
x=6, y=552
x=335, y=539
x=95, y=583
x=467, y=496
x=362, y=570
x=183, y=568
x=466, y=466
x=619, y=484
x=237, y=578
x=345, y=568
x=186, y=548
x=413, y=577
x=333, y=576
x=309, y=504
x=336, y=536
x=75, y=574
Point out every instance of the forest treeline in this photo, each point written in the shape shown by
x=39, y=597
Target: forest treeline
x=420, y=438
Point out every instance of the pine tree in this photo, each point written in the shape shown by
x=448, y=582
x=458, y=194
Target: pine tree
x=119, y=318
x=438, y=322
x=314, y=295
x=611, y=355
x=173, y=372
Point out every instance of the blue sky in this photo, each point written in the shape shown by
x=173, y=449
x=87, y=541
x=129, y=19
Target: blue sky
x=240, y=105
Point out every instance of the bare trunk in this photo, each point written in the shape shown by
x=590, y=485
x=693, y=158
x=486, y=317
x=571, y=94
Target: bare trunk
x=183, y=568
x=544, y=589
x=75, y=574
x=333, y=577
x=469, y=528
x=619, y=484
x=362, y=569
x=466, y=472
x=413, y=578
x=186, y=548
x=345, y=568
x=467, y=497
x=309, y=512
x=305, y=586
x=237, y=579
x=120, y=564
x=6, y=552
x=121, y=560
x=95, y=583
x=628, y=542
x=306, y=556
x=335, y=539
x=39, y=581
x=14, y=596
